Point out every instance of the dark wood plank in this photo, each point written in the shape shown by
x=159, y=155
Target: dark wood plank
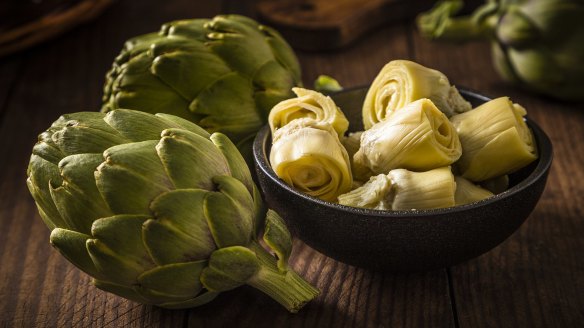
x=351, y=297
x=9, y=69
x=536, y=277
x=38, y=287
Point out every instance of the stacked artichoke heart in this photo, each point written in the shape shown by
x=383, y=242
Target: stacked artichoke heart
x=424, y=146
x=158, y=210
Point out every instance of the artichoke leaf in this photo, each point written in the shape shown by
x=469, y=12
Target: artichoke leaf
x=376, y=194
x=423, y=190
x=231, y=201
x=118, y=240
x=172, y=283
x=467, y=192
x=184, y=124
x=139, y=126
x=181, y=69
x=219, y=103
x=71, y=245
x=308, y=105
x=190, y=160
x=239, y=43
x=235, y=161
x=41, y=175
x=179, y=231
x=127, y=187
x=229, y=267
x=201, y=299
x=121, y=290
x=278, y=238
x=77, y=199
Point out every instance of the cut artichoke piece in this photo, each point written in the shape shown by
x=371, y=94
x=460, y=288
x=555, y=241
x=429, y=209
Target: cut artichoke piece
x=467, y=192
x=401, y=82
x=404, y=190
x=308, y=104
x=423, y=190
x=352, y=142
x=376, y=194
x=416, y=137
x=309, y=157
x=495, y=140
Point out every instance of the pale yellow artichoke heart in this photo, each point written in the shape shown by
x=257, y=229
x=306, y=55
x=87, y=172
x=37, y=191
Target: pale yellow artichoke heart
x=309, y=157
x=375, y=193
x=495, y=140
x=404, y=190
x=401, y=82
x=416, y=137
x=308, y=104
x=467, y=192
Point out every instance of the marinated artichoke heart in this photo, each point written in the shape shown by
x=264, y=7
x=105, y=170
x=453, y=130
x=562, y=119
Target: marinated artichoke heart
x=467, y=192
x=352, y=142
x=496, y=185
x=401, y=82
x=309, y=104
x=224, y=73
x=308, y=156
x=157, y=210
x=416, y=137
x=405, y=190
x=495, y=140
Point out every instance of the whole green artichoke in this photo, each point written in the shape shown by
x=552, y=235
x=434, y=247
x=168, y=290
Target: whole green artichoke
x=225, y=74
x=535, y=43
x=158, y=211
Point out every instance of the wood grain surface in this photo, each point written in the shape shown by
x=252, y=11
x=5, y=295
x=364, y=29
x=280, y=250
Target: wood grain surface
x=533, y=279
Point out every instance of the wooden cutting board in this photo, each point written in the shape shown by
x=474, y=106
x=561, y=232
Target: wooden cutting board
x=331, y=24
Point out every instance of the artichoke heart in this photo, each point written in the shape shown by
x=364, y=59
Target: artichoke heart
x=416, y=137
x=309, y=157
x=405, y=190
x=401, y=82
x=467, y=192
x=495, y=140
x=308, y=104
x=159, y=211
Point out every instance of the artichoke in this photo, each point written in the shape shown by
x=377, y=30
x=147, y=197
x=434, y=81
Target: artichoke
x=467, y=192
x=308, y=156
x=225, y=74
x=538, y=44
x=309, y=104
x=401, y=82
x=416, y=137
x=401, y=189
x=495, y=140
x=157, y=210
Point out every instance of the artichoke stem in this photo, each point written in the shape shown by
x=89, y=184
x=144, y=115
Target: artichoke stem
x=285, y=287
x=454, y=29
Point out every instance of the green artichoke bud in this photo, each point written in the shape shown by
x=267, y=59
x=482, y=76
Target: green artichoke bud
x=538, y=44
x=405, y=190
x=495, y=140
x=401, y=82
x=311, y=105
x=157, y=210
x=417, y=137
x=467, y=192
x=308, y=156
x=225, y=74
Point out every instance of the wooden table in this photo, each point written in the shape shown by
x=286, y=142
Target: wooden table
x=533, y=279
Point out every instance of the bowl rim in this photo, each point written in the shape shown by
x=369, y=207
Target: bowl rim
x=545, y=157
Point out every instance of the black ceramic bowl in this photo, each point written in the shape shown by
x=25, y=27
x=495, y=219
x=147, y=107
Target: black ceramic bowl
x=413, y=240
